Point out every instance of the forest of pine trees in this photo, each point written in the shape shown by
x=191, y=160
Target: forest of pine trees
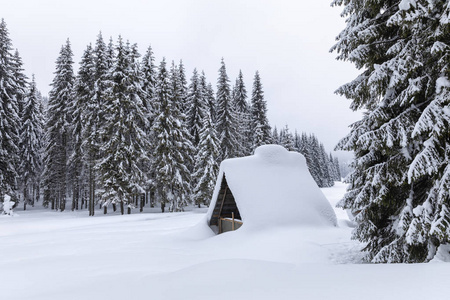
x=123, y=132
x=324, y=168
x=400, y=186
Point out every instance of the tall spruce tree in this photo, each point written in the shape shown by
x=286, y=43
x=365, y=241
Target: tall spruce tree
x=20, y=81
x=30, y=145
x=206, y=166
x=58, y=130
x=9, y=118
x=326, y=168
x=260, y=123
x=125, y=143
x=171, y=143
x=243, y=116
x=400, y=183
x=183, y=87
x=85, y=92
x=184, y=144
x=149, y=75
x=148, y=70
x=287, y=139
x=196, y=108
x=334, y=161
x=210, y=98
x=226, y=117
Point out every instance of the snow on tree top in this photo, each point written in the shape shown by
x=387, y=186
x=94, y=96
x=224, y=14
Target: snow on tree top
x=274, y=187
x=406, y=4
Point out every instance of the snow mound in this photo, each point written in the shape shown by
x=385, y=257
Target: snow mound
x=273, y=187
x=8, y=206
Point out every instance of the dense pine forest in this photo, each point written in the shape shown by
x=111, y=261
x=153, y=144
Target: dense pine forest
x=125, y=132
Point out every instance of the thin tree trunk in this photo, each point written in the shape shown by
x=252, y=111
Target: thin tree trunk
x=91, y=191
x=25, y=198
x=34, y=195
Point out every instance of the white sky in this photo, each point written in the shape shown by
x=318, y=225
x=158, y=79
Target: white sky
x=288, y=41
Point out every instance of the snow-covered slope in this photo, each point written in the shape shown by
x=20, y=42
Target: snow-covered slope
x=273, y=187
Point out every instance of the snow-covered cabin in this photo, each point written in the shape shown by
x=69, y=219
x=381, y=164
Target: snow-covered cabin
x=273, y=187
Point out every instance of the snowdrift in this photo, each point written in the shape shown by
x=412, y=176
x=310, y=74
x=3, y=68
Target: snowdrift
x=273, y=187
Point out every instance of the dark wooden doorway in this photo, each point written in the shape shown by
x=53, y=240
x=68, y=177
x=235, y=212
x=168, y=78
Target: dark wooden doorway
x=225, y=207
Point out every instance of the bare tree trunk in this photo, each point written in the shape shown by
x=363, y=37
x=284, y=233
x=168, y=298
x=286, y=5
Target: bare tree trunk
x=33, y=197
x=91, y=191
x=53, y=200
x=25, y=192
x=74, y=196
x=63, y=200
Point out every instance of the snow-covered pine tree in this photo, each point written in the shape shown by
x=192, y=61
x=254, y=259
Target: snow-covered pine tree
x=303, y=144
x=58, y=130
x=287, y=140
x=313, y=160
x=9, y=118
x=260, y=123
x=326, y=168
x=20, y=81
x=226, y=117
x=183, y=88
x=84, y=94
x=41, y=110
x=243, y=116
x=94, y=117
x=400, y=181
x=183, y=184
x=210, y=98
x=337, y=168
x=30, y=145
x=125, y=143
x=148, y=70
x=331, y=167
x=206, y=166
x=110, y=54
x=21, y=90
x=171, y=144
x=276, y=136
x=149, y=75
x=196, y=108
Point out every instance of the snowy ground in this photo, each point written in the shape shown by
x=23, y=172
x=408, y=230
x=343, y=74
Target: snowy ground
x=49, y=255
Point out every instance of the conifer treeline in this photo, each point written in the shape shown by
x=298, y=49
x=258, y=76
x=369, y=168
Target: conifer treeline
x=324, y=168
x=21, y=116
x=125, y=132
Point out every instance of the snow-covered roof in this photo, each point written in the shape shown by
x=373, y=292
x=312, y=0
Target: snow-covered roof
x=274, y=187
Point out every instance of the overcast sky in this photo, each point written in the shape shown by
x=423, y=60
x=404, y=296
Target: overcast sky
x=287, y=41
